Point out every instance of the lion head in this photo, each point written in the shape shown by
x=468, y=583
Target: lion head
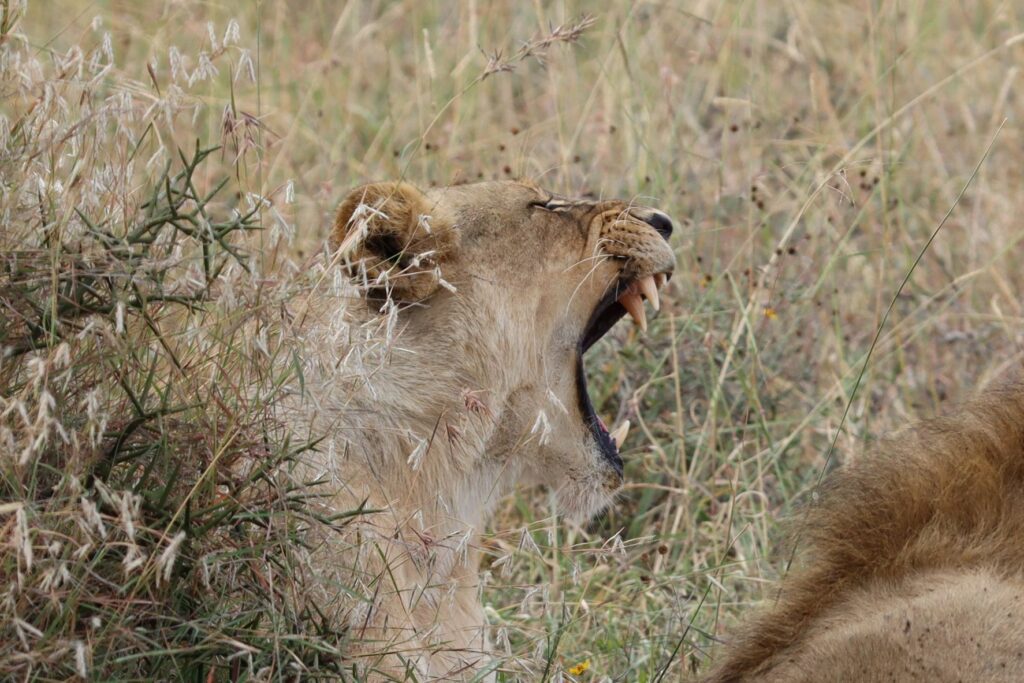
x=501, y=287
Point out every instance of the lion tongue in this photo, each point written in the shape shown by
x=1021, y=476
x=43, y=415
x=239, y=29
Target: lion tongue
x=634, y=305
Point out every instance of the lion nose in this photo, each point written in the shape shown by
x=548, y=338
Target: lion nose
x=660, y=222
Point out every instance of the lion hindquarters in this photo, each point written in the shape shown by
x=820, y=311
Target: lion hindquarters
x=930, y=524
x=940, y=626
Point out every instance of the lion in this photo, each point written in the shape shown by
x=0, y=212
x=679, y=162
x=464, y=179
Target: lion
x=485, y=297
x=915, y=566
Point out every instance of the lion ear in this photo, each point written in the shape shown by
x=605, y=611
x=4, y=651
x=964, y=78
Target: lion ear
x=393, y=239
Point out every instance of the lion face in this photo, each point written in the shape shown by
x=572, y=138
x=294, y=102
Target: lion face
x=505, y=286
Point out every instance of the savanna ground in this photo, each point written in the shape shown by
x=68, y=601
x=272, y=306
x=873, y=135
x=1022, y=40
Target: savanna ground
x=808, y=151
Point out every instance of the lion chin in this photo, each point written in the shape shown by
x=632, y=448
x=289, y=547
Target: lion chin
x=446, y=371
x=581, y=499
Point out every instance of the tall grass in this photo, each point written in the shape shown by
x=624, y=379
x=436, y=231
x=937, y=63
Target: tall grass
x=809, y=151
x=150, y=525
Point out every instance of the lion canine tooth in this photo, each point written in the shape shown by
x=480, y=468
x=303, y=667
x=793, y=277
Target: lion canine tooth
x=619, y=435
x=650, y=290
x=634, y=305
x=659, y=280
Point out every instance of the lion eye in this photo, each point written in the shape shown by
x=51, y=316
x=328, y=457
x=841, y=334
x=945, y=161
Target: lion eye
x=552, y=204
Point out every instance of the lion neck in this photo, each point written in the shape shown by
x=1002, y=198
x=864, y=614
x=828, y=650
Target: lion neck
x=425, y=429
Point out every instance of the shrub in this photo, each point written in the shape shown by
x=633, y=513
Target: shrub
x=154, y=530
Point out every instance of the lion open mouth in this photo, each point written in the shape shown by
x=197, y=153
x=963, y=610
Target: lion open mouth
x=627, y=296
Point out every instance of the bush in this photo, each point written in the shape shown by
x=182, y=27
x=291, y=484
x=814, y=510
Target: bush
x=155, y=530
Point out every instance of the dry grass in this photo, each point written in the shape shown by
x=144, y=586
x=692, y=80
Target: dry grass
x=809, y=150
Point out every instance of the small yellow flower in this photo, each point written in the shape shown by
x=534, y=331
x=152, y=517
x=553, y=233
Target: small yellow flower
x=580, y=668
x=770, y=313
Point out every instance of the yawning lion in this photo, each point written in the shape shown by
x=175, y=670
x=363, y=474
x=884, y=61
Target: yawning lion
x=486, y=297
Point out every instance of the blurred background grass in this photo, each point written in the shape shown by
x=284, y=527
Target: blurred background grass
x=807, y=150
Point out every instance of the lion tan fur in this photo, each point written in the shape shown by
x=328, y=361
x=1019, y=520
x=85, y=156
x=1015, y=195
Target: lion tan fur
x=912, y=563
x=475, y=298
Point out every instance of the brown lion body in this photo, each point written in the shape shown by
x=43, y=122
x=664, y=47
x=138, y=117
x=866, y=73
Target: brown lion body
x=915, y=562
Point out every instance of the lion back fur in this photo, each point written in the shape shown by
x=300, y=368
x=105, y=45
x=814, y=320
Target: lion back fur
x=915, y=562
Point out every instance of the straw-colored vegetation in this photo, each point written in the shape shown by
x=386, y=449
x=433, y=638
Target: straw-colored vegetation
x=809, y=151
